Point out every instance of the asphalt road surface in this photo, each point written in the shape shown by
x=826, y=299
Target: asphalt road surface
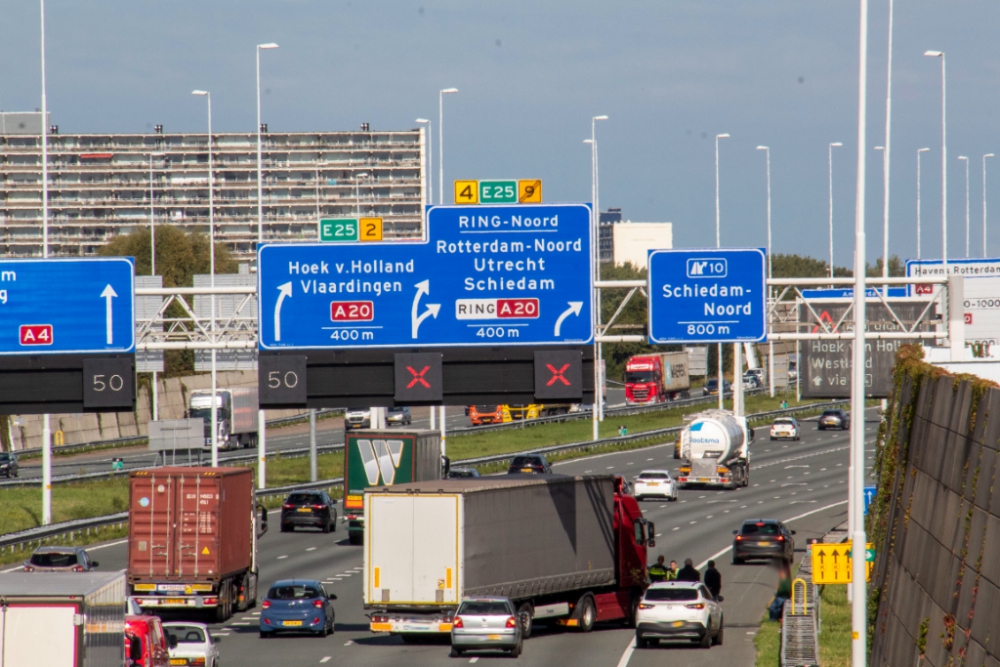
x=804, y=483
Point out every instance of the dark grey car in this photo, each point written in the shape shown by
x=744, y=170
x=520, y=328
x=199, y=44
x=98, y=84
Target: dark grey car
x=59, y=559
x=8, y=465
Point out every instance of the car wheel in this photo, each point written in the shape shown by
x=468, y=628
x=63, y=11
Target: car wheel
x=355, y=538
x=641, y=642
x=516, y=651
x=285, y=528
x=456, y=652
x=706, y=640
x=718, y=635
x=264, y=635
x=326, y=527
x=587, y=615
x=335, y=517
x=526, y=616
x=737, y=560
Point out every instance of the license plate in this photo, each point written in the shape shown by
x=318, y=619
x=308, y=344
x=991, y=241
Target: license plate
x=677, y=624
x=178, y=661
x=494, y=638
x=527, y=470
x=704, y=479
x=304, y=509
x=763, y=544
x=381, y=627
x=291, y=623
x=652, y=483
x=175, y=601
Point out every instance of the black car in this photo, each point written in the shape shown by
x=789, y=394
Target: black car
x=309, y=508
x=834, y=419
x=398, y=416
x=8, y=465
x=462, y=473
x=531, y=464
x=763, y=538
x=711, y=387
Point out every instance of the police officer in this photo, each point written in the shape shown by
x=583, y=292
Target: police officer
x=658, y=571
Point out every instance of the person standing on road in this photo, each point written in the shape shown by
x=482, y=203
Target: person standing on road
x=688, y=572
x=657, y=571
x=713, y=579
x=672, y=571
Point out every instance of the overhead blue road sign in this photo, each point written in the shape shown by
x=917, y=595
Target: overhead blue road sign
x=870, y=492
x=485, y=276
x=707, y=296
x=848, y=293
x=67, y=306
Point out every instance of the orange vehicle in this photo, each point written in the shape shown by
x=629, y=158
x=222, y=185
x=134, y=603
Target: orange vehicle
x=486, y=414
x=146, y=642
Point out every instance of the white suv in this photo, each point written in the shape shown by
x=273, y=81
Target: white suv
x=678, y=610
x=657, y=483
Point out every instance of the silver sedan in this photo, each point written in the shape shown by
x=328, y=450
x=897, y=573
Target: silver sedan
x=486, y=623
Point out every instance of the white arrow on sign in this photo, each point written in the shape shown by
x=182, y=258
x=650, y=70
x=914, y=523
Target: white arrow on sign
x=108, y=294
x=817, y=380
x=283, y=291
x=423, y=287
x=574, y=309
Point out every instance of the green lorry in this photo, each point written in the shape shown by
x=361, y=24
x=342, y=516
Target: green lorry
x=384, y=458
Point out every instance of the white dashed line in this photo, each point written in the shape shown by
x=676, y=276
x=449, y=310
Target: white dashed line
x=314, y=548
x=743, y=507
x=693, y=522
x=649, y=459
x=710, y=516
x=348, y=643
x=472, y=660
x=610, y=468
x=677, y=527
x=326, y=658
x=281, y=557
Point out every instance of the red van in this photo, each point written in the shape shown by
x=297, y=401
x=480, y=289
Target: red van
x=145, y=642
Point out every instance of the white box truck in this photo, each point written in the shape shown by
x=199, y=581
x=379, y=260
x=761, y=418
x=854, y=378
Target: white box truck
x=62, y=619
x=236, y=415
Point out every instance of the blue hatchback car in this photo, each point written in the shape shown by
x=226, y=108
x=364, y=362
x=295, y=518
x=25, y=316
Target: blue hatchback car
x=297, y=605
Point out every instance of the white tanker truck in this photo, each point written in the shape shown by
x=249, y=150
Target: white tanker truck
x=714, y=448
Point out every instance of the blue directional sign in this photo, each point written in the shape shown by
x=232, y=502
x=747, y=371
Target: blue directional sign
x=870, y=492
x=485, y=276
x=67, y=306
x=707, y=296
x=848, y=293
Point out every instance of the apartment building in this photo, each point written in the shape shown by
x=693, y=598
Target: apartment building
x=103, y=185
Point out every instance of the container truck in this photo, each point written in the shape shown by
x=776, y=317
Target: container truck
x=383, y=458
x=236, y=412
x=714, y=448
x=62, y=619
x=192, y=541
x=566, y=550
x=657, y=378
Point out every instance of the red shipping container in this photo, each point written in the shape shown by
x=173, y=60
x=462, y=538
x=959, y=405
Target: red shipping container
x=190, y=524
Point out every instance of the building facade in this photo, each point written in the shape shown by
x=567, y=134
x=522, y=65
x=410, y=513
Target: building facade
x=103, y=185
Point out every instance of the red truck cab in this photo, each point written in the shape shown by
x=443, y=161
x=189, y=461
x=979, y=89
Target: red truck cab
x=145, y=642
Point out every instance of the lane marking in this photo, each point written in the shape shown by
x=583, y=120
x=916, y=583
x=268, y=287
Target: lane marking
x=472, y=660
x=314, y=548
x=325, y=658
x=349, y=642
x=281, y=557
x=677, y=527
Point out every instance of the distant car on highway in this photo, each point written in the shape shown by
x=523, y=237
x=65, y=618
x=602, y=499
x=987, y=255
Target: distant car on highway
x=679, y=610
x=834, y=419
x=529, y=463
x=712, y=387
x=297, y=605
x=763, y=538
x=398, y=416
x=785, y=428
x=309, y=508
x=752, y=382
x=355, y=419
x=462, y=473
x=485, y=624
x=191, y=644
x=486, y=414
x=8, y=465
x=655, y=483
x=60, y=559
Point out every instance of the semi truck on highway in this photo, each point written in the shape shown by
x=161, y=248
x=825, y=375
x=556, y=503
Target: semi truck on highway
x=236, y=414
x=63, y=619
x=192, y=540
x=715, y=450
x=567, y=550
x=657, y=378
x=384, y=458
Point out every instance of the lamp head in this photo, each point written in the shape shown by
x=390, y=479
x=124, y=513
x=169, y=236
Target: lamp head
x=269, y=45
x=988, y=155
x=933, y=54
x=836, y=144
x=763, y=148
x=588, y=141
x=600, y=117
x=448, y=91
x=922, y=150
x=880, y=148
x=421, y=120
x=200, y=93
x=963, y=157
x=722, y=136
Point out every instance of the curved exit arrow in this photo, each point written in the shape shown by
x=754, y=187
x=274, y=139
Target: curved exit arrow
x=284, y=290
x=423, y=287
x=574, y=309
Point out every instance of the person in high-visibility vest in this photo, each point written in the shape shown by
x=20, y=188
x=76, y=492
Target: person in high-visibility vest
x=657, y=571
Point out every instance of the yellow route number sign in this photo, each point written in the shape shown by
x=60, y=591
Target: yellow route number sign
x=369, y=229
x=466, y=192
x=831, y=562
x=529, y=192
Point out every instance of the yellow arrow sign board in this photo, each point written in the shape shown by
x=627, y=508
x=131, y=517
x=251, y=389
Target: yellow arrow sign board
x=831, y=563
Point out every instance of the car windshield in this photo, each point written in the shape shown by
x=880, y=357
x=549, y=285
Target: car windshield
x=654, y=475
x=305, y=499
x=760, y=528
x=831, y=413
x=783, y=422
x=487, y=408
x=525, y=461
x=205, y=414
x=396, y=411
x=484, y=608
x=461, y=473
x=186, y=634
x=711, y=384
x=4, y=457
x=293, y=592
x=640, y=376
x=672, y=594
x=54, y=559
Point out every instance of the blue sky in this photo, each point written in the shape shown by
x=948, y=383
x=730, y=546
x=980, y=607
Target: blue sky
x=670, y=75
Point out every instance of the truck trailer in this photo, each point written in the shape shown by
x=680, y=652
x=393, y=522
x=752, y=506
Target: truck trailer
x=192, y=541
x=714, y=448
x=236, y=410
x=566, y=550
x=62, y=619
x=383, y=458
x=657, y=378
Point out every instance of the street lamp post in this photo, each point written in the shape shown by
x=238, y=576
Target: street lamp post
x=919, y=152
x=261, y=418
x=944, y=158
x=965, y=159
x=770, y=351
x=357, y=192
x=598, y=412
x=46, y=419
x=428, y=189
x=885, y=155
x=829, y=170
x=211, y=264
x=441, y=94
x=885, y=256
x=152, y=257
x=718, y=241
x=984, y=202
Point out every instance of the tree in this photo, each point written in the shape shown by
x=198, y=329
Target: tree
x=179, y=256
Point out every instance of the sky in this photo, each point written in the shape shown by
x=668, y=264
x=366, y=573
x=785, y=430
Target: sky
x=670, y=74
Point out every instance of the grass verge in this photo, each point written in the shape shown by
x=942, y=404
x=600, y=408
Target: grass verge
x=768, y=643
x=835, y=638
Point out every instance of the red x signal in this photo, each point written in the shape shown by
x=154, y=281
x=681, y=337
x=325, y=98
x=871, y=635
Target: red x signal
x=418, y=377
x=557, y=374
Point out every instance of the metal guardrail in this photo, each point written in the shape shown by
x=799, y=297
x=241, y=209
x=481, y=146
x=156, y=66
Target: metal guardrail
x=12, y=540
